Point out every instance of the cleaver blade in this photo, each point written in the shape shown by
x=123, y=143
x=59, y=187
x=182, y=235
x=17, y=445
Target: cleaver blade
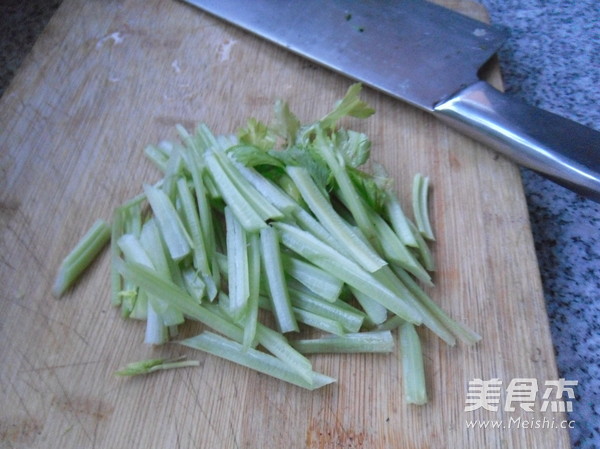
x=430, y=57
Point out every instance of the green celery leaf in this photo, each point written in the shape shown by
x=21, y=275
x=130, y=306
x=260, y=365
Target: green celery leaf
x=256, y=133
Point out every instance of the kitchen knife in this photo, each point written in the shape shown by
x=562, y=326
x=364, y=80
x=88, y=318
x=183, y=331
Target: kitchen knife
x=430, y=57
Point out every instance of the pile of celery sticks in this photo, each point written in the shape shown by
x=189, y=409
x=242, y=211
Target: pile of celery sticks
x=267, y=233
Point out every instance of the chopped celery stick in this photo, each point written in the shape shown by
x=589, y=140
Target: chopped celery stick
x=376, y=312
x=315, y=279
x=193, y=283
x=319, y=322
x=413, y=370
x=396, y=252
x=178, y=298
x=176, y=237
x=211, y=277
x=133, y=250
x=116, y=281
x=277, y=344
x=348, y=192
x=278, y=291
x=245, y=213
x=191, y=222
x=420, y=205
x=460, y=331
x=329, y=218
x=254, y=270
x=391, y=281
x=393, y=210
x=254, y=359
x=423, y=250
x=392, y=323
x=170, y=315
x=311, y=319
x=158, y=157
x=175, y=165
x=376, y=342
x=271, y=192
x=152, y=243
x=254, y=197
x=237, y=265
x=350, y=320
x=156, y=331
x=153, y=365
x=309, y=223
x=399, y=221
x=347, y=270
x=81, y=256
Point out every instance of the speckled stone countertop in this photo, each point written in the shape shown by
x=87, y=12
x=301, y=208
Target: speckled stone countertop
x=551, y=60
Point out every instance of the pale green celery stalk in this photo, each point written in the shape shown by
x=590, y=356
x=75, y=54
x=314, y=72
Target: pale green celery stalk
x=371, y=342
x=347, y=190
x=152, y=242
x=178, y=298
x=347, y=270
x=254, y=271
x=171, y=316
x=160, y=154
x=394, y=211
x=278, y=291
x=278, y=345
x=156, y=330
x=176, y=237
x=351, y=320
x=391, y=323
x=245, y=213
x=309, y=223
x=413, y=370
x=423, y=251
x=388, y=278
x=420, y=205
x=315, y=279
x=188, y=140
x=133, y=250
x=237, y=265
x=204, y=138
x=376, y=312
x=139, y=310
x=133, y=226
x=329, y=218
x=399, y=221
x=254, y=197
x=116, y=281
x=81, y=256
x=272, y=192
x=254, y=359
x=311, y=319
x=319, y=322
x=196, y=167
x=396, y=252
x=460, y=331
x=158, y=157
x=173, y=172
x=153, y=365
x=194, y=285
x=191, y=221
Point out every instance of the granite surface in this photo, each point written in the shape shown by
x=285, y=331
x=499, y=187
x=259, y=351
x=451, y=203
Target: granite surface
x=551, y=60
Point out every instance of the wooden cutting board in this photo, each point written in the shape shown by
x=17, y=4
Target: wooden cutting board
x=108, y=78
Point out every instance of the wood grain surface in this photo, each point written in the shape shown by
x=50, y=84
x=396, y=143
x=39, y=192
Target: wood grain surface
x=109, y=77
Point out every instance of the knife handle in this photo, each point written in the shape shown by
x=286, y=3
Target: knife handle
x=562, y=150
